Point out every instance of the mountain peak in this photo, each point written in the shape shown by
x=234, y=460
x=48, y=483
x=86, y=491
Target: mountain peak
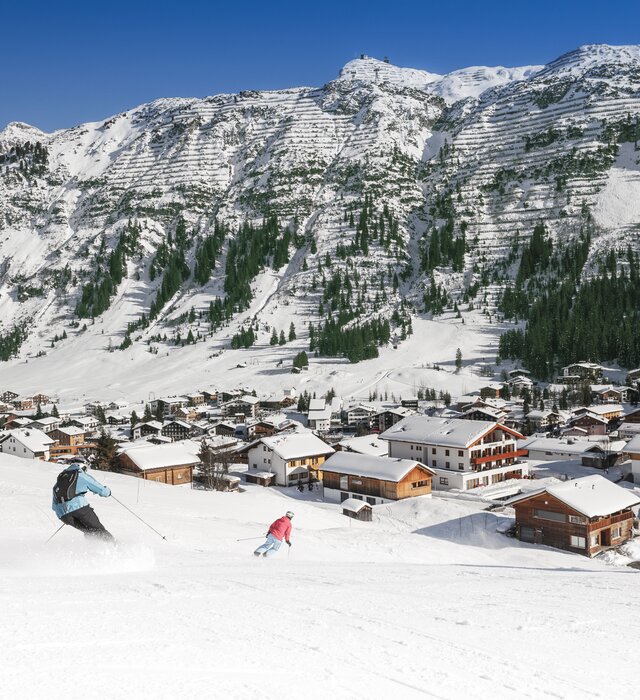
x=589, y=55
x=373, y=70
x=19, y=131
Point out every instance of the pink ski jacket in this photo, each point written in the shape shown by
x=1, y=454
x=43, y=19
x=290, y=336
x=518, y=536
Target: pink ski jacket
x=281, y=528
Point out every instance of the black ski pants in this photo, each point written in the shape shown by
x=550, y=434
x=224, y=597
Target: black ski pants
x=85, y=520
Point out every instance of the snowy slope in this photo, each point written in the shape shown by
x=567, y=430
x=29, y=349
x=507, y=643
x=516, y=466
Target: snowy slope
x=426, y=601
x=494, y=149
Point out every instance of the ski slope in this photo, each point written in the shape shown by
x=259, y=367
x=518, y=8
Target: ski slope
x=426, y=601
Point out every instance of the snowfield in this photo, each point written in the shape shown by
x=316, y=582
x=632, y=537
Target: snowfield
x=426, y=601
x=87, y=371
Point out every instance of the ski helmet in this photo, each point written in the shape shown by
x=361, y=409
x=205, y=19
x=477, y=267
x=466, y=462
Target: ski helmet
x=289, y=514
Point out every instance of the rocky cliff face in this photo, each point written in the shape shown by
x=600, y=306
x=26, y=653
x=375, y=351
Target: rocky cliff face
x=475, y=158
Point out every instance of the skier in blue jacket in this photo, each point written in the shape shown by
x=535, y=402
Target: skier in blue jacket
x=70, y=504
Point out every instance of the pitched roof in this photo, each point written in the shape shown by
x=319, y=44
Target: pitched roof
x=353, y=505
x=633, y=445
x=384, y=468
x=32, y=438
x=453, y=432
x=593, y=496
x=366, y=445
x=146, y=457
x=297, y=445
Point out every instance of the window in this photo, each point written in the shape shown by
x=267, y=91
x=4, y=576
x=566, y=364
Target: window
x=616, y=532
x=371, y=501
x=433, y=462
x=577, y=520
x=344, y=483
x=447, y=465
x=460, y=465
x=444, y=481
x=433, y=450
x=411, y=446
x=550, y=515
x=460, y=453
x=527, y=534
x=446, y=453
x=419, y=484
x=594, y=540
x=578, y=542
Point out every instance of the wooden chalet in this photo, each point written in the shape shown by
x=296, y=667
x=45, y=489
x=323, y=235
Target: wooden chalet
x=171, y=463
x=633, y=416
x=376, y=479
x=176, y=430
x=586, y=515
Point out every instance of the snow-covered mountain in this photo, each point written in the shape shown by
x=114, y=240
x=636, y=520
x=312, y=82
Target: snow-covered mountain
x=485, y=153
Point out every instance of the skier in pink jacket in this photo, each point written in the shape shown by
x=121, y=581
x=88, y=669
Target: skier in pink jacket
x=280, y=530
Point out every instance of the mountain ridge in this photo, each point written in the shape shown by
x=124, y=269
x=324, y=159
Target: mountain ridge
x=380, y=185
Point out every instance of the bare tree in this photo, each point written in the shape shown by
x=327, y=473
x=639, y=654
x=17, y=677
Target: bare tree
x=215, y=465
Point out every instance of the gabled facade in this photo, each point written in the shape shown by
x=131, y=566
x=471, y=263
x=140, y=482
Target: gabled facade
x=152, y=427
x=294, y=458
x=374, y=479
x=585, y=516
x=464, y=454
x=176, y=430
x=28, y=443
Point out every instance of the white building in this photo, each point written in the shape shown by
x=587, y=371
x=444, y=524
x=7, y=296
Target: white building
x=632, y=448
x=290, y=456
x=46, y=424
x=29, y=443
x=319, y=416
x=361, y=414
x=464, y=454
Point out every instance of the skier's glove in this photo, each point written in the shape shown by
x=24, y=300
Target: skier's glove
x=289, y=543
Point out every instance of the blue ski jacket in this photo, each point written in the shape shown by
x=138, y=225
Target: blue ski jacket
x=85, y=483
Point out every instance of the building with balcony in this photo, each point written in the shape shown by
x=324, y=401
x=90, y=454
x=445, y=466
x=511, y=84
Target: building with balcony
x=463, y=454
x=585, y=516
x=292, y=457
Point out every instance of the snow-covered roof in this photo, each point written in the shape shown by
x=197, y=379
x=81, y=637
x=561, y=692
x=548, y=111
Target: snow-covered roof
x=384, y=468
x=296, y=445
x=453, y=432
x=601, y=409
x=32, y=438
x=593, y=496
x=146, y=457
x=155, y=424
x=398, y=411
x=49, y=420
x=179, y=422
x=317, y=404
x=86, y=420
x=633, y=445
x=71, y=431
x=324, y=414
x=353, y=505
x=366, y=445
x=557, y=445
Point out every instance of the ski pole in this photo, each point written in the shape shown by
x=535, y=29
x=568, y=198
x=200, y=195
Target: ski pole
x=55, y=533
x=137, y=516
x=244, y=539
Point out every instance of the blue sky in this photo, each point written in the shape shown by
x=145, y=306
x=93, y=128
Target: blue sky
x=63, y=63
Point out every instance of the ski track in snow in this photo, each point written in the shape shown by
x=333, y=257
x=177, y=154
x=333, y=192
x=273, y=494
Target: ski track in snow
x=425, y=602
